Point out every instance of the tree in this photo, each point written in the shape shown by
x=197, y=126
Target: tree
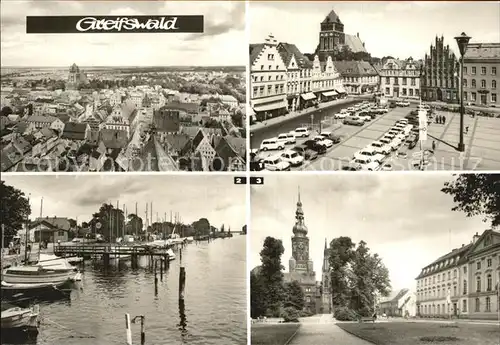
x=134, y=224
x=476, y=194
x=257, y=305
x=72, y=223
x=201, y=227
x=294, y=296
x=272, y=275
x=341, y=252
x=14, y=210
x=6, y=111
x=111, y=222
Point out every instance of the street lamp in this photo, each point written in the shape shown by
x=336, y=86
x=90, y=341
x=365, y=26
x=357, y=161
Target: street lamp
x=462, y=41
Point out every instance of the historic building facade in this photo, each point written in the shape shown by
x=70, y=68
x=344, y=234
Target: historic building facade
x=358, y=77
x=300, y=265
x=481, y=74
x=439, y=80
x=464, y=282
x=76, y=78
x=267, y=80
x=400, y=78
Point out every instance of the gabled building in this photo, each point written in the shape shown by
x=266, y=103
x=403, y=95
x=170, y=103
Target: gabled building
x=399, y=303
x=267, y=80
x=358, y=77
x=400, y=78
x=76, y=131
x=51, y=229
x=39, y=122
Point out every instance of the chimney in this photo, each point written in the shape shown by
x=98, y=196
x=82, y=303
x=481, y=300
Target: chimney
x=475, y=237
x=357, y=34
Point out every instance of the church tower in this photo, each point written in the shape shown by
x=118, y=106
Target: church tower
x=331, y=35
x=300, y=242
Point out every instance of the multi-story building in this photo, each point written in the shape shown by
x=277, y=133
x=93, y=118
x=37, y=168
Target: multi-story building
x=481, y=74
x=400, y=78
x=267, y=80
x=464, y=282
x=484, y=276
x=358, y=77
x=76, y=78
x=301, y=267
x=439, y=79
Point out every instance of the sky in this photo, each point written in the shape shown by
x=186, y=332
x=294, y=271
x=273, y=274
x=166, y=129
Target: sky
x=216, y=198
x=399, y=29
x=405, y=218
x=223, y=42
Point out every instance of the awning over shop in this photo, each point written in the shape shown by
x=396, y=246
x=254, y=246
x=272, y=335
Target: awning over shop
x=330, y=93
x=308, y=96
x=340, y=89
x=270, y=106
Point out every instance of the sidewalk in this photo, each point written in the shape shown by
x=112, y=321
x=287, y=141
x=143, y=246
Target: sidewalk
x=292, y=115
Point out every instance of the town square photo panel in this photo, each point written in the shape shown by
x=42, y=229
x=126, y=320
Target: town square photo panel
x=374, y=86
x=123, y=86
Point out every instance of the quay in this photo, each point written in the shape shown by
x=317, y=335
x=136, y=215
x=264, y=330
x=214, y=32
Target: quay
x=89, y=250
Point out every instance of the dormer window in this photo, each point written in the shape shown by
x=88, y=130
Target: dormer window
x=270, y=56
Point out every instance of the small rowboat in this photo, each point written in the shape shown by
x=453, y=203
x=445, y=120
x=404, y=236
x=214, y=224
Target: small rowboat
x=19, y=319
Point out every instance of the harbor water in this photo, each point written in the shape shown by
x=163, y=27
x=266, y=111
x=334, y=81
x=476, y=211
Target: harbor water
x=215, y=301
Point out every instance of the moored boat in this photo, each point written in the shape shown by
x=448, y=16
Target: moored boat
x=19, y=319
x=37, y=275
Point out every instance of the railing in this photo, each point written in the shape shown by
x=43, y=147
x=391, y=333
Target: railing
x=106, y=249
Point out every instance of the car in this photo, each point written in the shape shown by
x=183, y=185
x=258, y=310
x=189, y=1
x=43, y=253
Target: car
x=366, y=163
x=331, y=136
x=291, y=138
x=283, y=138
x=392, y=105
x=371, y=153
x=364, y=116
x=343, y=111
x=272, y=144
x=305, y=152
x=275, y=163
x=323, y=141
x=354, y=121
x=407, y=130
x=301, y=132
x=397, y=141
x=257, y=165
x=403, y=104
x=351, y=166
x=387, y=167
x=292, y=157
x=412, y=137
x=390, y=142
x=341, y=115
x=389, y=136
x=351, y=109
x=405, y=121
x=382, y=148
x=315, y=146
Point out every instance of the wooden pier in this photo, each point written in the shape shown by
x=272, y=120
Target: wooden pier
x=89, y=250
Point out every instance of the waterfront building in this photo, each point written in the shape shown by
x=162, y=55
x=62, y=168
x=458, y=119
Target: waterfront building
x=358, y=77
x=462, y=283
x=400, y=78
x=301, y=268
x=332, y=38
x=481, y=74
x=439, y=79
x=267, y=80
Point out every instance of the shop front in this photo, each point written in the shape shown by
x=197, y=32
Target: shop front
x=329, y=96
x=268, y=110
x=309, y=100
x=342, y=93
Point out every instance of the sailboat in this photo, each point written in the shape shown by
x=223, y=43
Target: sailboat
x=19, y=319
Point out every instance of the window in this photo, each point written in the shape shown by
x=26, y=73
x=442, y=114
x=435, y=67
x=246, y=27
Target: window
x=465, y=70
x=473, y=96
x=489, y=282
x=473, y=82
x=478, y=284
x=493, y=84
x=454, y=290
x=478, y=265
x=465, y=287
x=494, y=97
x=387, y=80
x=465, y=82
x=449, y=275
x=483, y=70
x=477, y=305
x=465, y=269
x=464, y=305
x=387, y=91
x=488, y=262
x=270, y=56
x=434, y=280
x=465, y=96
x=483, y=83
x=493, y=71
x=454, y=273
x=488, y=304
x=473, y=70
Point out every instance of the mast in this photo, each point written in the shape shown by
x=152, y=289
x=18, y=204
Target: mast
x=27, y=233
x=137, y=215
x=40, y=229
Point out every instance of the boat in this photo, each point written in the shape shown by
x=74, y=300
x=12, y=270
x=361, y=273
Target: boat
x=38, y=275
x=14, y=318
x=170, y=255
x=57, y=263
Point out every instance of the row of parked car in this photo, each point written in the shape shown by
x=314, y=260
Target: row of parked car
x=373, y=156
x=360, y=114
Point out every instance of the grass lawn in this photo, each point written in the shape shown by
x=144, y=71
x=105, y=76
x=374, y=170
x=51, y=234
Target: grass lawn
x=272, y=334
x=421, y=333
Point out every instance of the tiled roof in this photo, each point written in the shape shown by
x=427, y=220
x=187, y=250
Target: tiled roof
x=74, y=131
x=47, y=132
x=332, y=17
x=178, y=142
x=191, y=108
x=287, y=50
x=238, y=144
x=394, y=296
x=36, y=118
x=21, y=127
x=113, y=138
x=354, y=68
x=60, y=223
x=483, y=51
x=354, y=43
x=454, y=253
x=255, y=50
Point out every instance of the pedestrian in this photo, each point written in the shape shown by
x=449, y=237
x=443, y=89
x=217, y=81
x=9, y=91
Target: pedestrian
x=444, y=120
x=433, y=145
x=467, y=130
x=437, y=119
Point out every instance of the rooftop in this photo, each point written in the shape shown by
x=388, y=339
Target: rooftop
x=483, y=51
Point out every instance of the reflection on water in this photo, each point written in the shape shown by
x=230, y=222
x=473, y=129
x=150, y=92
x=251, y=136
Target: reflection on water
x=213, y=311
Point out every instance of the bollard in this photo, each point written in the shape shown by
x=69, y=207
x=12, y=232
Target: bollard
x=180, y=255
x=143, y=330
x=182, y=282
x=156, y=278
x=128, y=329
x=161, y=269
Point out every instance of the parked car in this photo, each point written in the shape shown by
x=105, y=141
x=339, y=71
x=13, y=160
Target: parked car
x=366, y=163
x=283, y=138
x=364, y=116
x=292, y=157
x=323, y=141
x=351, y=166
x=382, y=148
x=315, y=146
x=272, y=144
x=301, y=132
x=305, y=152
x=354, y=121
x=331, y=136
x=257, y=165
x=341, y=115
x=371, y=153
x=367, y=113
x=275, y=163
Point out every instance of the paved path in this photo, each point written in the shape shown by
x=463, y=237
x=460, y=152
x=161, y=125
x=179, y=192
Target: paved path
x=322, y=330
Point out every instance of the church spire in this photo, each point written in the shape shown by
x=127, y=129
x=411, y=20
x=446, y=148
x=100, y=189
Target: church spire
x=326, y=246
x=300, y=228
